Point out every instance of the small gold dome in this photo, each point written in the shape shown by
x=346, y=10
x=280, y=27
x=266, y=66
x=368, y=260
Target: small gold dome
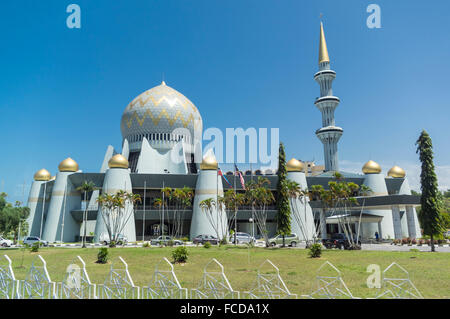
x=295, y=165
x=209, y=163
x=42, y=175
x=68, y=165
x=397, y=172
x=118, y=161
x=371, y=167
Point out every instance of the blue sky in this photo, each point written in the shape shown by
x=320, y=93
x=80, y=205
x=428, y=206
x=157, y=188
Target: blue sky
x=243, y=63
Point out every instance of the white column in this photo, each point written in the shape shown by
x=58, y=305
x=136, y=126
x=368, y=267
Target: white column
x=397, y=222
x=410, y=219
x=323, y=224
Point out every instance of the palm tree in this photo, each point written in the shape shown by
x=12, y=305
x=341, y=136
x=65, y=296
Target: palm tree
x=85, y=188
x=158, y=203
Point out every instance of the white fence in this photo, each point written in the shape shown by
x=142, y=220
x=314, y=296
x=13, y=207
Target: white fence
x=164, y=284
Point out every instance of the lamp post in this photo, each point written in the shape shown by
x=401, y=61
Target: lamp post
x=253, y=228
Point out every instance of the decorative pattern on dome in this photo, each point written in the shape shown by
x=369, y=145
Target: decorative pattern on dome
x=160, y=110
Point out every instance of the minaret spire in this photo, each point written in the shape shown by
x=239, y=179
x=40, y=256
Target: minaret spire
x=323, y=51
x=329, y=134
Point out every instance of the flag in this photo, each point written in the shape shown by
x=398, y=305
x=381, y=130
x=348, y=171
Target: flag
x=226, y=180
x=241, y=178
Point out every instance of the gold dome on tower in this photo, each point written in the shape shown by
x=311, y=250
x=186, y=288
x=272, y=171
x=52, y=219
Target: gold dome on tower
x=295, y=165
x=68, y=165
x=118, y=161
x=42, y=175
x=209, y=163
x=371, y=167
x=397, y=172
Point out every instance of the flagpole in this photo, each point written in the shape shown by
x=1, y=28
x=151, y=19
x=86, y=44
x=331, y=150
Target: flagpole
x=143, y=220
x=162, y=230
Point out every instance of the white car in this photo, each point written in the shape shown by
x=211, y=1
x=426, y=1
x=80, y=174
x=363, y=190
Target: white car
x=5, y=242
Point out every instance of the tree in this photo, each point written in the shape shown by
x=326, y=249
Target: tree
x=116, y=210
x=85, y=188
x=296, y=193
x=340, y=196
x=232, y=200
x=259, y=197
x=209, y=206
x=12, y=218
x=282, y=200
x=429, y=217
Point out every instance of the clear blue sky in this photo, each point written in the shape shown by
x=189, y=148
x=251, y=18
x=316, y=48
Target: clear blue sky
x=244, y=63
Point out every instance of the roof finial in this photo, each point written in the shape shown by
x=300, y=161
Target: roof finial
x=323, y=51
x=163, y=83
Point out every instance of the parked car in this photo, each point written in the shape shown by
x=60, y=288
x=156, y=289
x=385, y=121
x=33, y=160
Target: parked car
x=242, y=238
x=121, y=239
x=164, y=240
x=5, y=242
x=201, y=239
x=339, y=241
x=290, y=240
x=30, y=240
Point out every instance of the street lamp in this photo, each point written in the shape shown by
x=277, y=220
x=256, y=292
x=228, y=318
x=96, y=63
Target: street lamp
x=253, y=228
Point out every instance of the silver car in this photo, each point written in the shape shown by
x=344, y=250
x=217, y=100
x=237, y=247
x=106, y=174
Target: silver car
x=30, y=240
x=242, y=238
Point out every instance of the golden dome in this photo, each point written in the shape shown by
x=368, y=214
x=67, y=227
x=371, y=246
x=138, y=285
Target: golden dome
x=118, y=161
x=209, y=163
x=295, y=165
x=42, y=175
x=371, y=167
x=68, y=165
x=397, y=172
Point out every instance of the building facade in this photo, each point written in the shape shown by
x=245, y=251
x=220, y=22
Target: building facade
x=162, y=137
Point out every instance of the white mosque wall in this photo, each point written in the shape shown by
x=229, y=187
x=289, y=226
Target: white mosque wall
x=377, y=184
x=116, y=179
x=125, y=149
x=209, y=184
x=63, y=201
x=155, y=161
x=35, y=203
x=307, y=229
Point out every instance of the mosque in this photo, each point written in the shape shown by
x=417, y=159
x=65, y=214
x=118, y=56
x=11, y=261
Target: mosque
x=162, y=131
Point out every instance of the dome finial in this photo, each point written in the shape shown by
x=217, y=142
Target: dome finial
x=295, y=165
x=397, y=172
x=42, y=175
x=323, y=51
x=118, y=161
x=68, y=165
x=371, y=167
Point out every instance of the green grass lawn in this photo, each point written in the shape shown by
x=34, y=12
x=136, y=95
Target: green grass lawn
x=430, y=272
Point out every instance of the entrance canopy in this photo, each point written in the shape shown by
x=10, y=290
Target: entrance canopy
x=354, y=218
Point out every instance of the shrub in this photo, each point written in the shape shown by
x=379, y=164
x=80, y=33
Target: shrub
x=146, y=244
x=112, y=244
x=103, y=255
x=414, y=241
x=315, y=251
x=207, y=245
x=223, y=242
x=34, y=248
x=170, y=243
x=180, y=254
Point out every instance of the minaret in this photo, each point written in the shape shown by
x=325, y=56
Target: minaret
x=329, y=134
